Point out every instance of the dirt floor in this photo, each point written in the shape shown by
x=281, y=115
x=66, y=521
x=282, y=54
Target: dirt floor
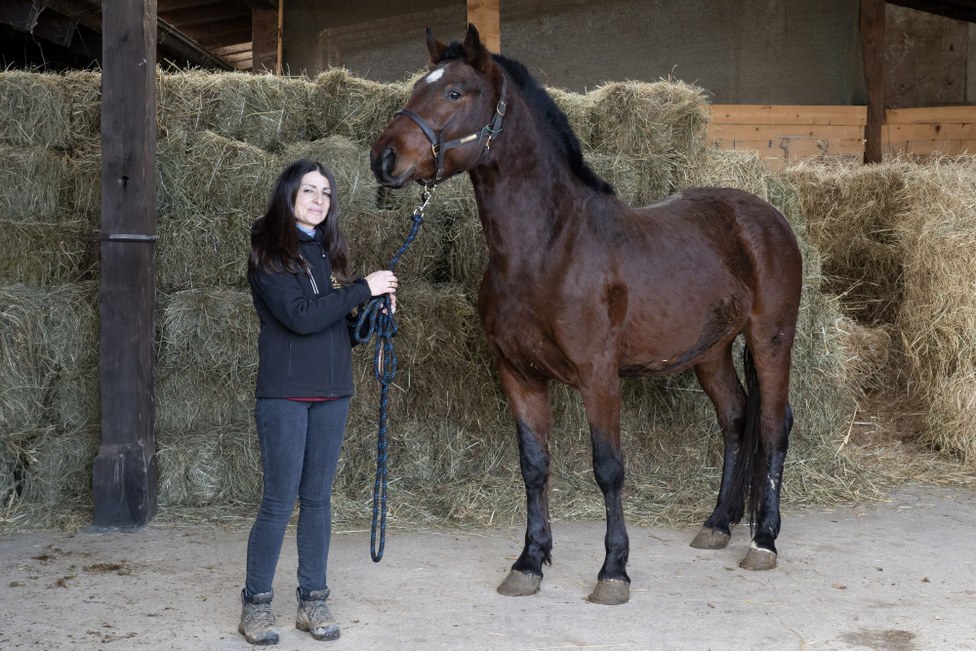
x=899, y=574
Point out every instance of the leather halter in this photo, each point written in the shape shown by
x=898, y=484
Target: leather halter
x=437, y=145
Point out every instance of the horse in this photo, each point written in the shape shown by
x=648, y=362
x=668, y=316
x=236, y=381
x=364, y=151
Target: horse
x=582, y=289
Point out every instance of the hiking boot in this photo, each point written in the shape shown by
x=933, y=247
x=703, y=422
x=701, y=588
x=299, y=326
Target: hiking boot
x=314, y=616
x=258, y=619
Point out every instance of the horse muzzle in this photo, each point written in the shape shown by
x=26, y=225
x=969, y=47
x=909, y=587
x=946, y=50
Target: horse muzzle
x=384, y=163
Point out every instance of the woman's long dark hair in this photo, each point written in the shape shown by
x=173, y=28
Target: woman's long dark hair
x=274, y=237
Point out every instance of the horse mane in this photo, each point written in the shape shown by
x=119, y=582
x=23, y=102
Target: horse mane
x=554, y=122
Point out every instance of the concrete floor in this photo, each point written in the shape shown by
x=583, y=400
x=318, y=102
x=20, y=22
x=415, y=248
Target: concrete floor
x=897, y=575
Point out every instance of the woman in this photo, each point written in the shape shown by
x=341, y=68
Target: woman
x=304, y=293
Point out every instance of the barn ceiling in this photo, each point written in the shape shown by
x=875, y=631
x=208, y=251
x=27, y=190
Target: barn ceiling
x=215, y=34
x=65, y=34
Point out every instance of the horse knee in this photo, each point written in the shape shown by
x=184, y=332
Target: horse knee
x=533, y=457
x=608, y=466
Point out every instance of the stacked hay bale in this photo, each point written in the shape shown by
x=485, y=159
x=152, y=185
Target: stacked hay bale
x=48, y=299
x=937, y=320
x=898, y=247
x=453, y=455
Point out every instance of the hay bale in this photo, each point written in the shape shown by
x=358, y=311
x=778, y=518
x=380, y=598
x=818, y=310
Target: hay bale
x=359, y=109
x=868, y=352
x=32, y=184
x=49, y=340
x=451, y=198
x=208, y=173
x=45, y=477
x=265, y=111
x=46, y=254
x=950, y=419
x=275, y=108
x=32, y=111
x=83, y=90
x=727, y=168
x=938, y=313
x=211, y=328
x=349, y=161
x=49, y=110
x=853, y=213
x=59, y=467
x=375, y=237
x=193, y=398
x=200, y=251
x=579, y=109
x=620, y=172
x=209, y=466
x=443, y=364
x=206, y=370
x=83, y=183
x=660, y=126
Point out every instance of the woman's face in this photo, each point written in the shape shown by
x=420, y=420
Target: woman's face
x=313, y=199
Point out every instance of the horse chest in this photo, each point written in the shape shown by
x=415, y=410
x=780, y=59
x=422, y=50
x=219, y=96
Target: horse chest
x=525, y=340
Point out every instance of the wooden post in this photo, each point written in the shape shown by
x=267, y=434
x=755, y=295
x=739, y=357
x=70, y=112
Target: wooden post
x=124, y=475
x=872, y=52
x=484, y=15
x=265, y=41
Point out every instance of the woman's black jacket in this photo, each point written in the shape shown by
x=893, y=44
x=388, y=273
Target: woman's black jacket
x=305, y=342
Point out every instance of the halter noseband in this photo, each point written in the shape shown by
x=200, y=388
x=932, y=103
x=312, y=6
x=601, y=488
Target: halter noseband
x=437, y=145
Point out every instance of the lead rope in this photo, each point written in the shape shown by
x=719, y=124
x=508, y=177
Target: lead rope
x=379, y=314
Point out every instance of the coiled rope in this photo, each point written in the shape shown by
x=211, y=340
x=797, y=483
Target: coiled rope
x=378, y=313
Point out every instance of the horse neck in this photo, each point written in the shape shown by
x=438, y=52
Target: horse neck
x=525, y=200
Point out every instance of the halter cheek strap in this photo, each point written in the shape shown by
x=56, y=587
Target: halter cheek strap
x=439, y=147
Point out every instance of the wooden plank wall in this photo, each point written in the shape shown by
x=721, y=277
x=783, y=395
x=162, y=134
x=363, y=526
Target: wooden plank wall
x=782, y=134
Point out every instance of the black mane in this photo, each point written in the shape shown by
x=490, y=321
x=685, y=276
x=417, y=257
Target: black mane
x=554, y=121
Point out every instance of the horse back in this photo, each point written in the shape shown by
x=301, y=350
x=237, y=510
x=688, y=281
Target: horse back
x=737, y=231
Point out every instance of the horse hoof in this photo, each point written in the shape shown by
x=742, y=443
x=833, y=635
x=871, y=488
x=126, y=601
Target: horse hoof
x=611, y=592
x=520, y=584
x=709, y=538
x=758, y=559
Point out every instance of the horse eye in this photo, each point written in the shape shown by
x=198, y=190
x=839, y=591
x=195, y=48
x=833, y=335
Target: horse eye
x=453, y=95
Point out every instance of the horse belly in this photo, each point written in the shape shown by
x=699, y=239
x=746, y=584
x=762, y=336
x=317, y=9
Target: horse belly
x=669, y=341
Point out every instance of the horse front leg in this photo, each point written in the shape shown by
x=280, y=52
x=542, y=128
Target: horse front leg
x=602, y=402
x=529, y=400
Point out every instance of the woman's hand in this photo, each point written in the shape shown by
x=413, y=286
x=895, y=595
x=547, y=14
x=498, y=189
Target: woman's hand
x=381, y=282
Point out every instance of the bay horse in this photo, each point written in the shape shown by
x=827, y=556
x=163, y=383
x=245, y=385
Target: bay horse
x=583, y=289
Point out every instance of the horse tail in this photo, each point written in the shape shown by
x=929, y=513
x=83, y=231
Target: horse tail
x=750, y=469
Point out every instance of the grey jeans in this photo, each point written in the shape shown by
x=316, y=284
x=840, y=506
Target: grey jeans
x=300, y=445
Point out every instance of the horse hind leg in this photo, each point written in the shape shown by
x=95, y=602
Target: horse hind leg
x=721, y=384
x=769, y=375
x=533, y=415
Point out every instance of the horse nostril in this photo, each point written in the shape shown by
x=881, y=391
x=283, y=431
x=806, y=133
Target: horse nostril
x=389, y=159
x=383, y=163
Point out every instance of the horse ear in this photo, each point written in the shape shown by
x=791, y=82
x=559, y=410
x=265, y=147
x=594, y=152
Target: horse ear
x=434, y=47
x=475, y=53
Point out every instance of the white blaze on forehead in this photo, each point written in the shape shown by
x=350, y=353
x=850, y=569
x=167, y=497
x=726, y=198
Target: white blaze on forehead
x=435, y=75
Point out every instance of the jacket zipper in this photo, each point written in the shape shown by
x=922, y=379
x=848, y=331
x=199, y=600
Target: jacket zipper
x=311, y=278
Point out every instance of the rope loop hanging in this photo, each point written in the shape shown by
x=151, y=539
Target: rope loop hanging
x=378, y=317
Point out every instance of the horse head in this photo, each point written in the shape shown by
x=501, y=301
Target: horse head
x=448, y=124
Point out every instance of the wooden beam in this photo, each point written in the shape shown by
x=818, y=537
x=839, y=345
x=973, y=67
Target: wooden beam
x=484, y=15
x=964, y=10
x=872, y=53
x=125, y=473
x=265, y=39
